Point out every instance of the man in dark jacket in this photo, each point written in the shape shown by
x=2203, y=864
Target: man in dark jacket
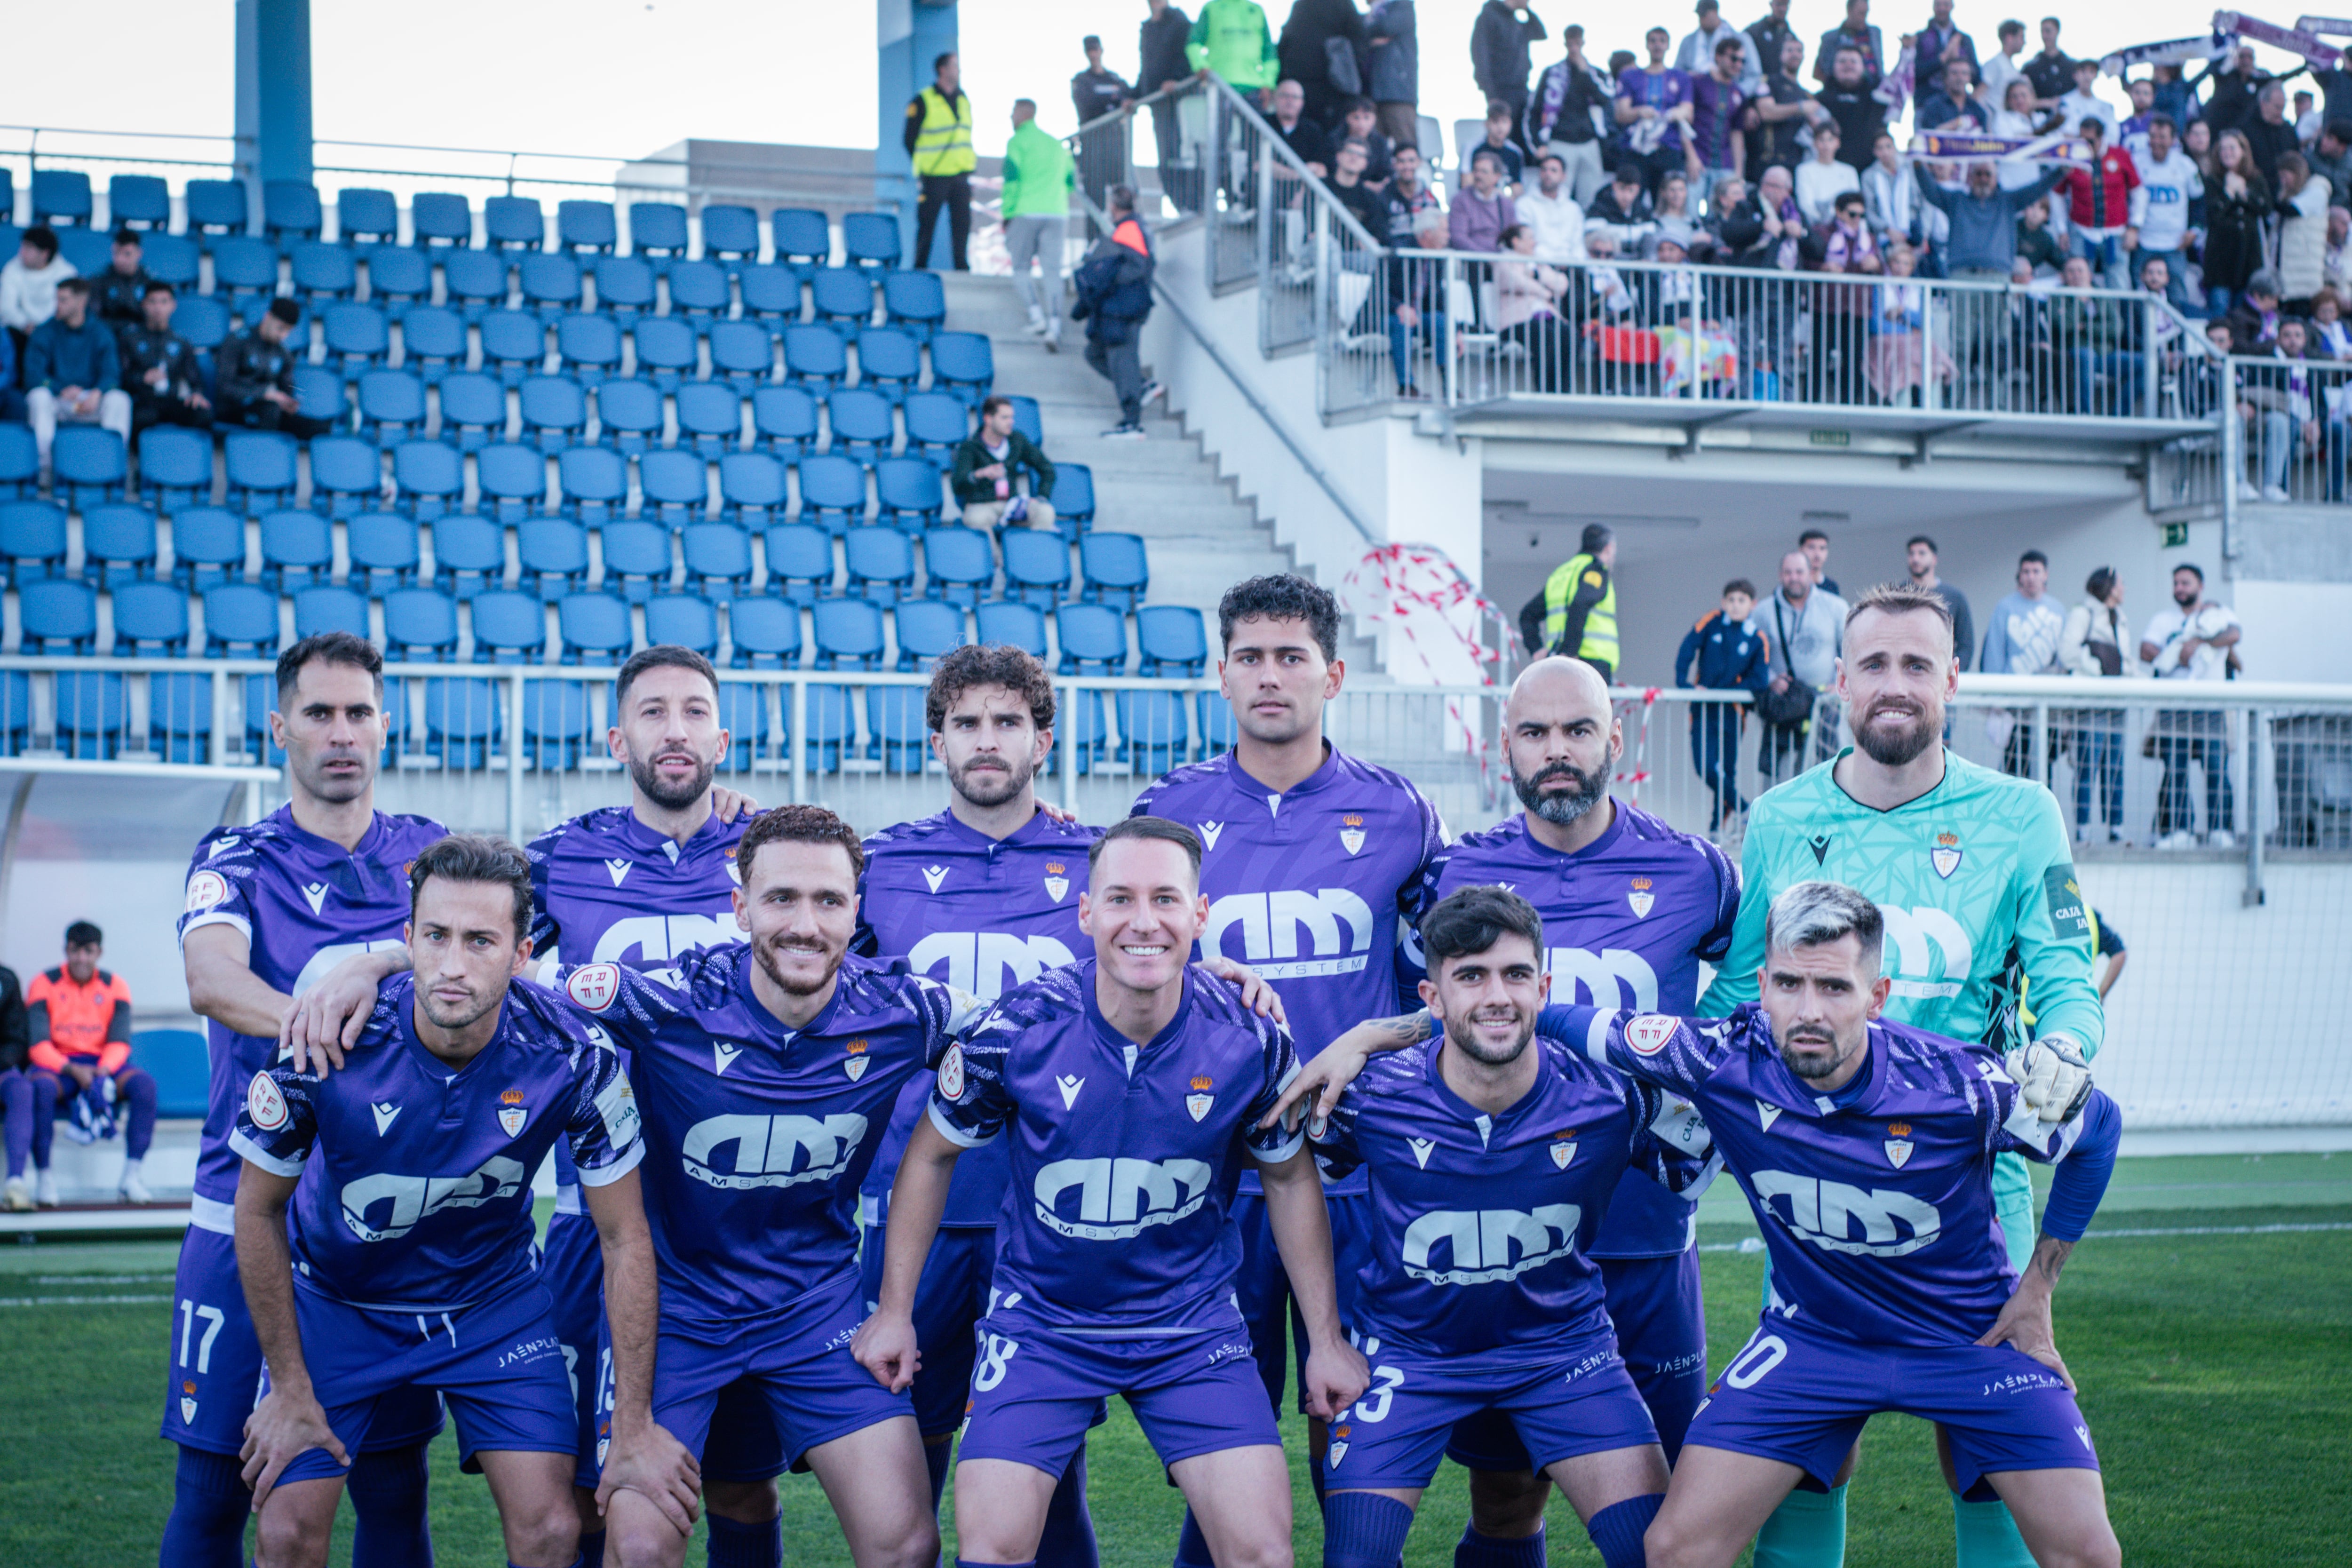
x=1501, y=56
x=1094, y=92
x=1160, y=48
x=1306, y=52
x=73, y=373
x=15, y=1049
x=123, y=285
x=256, y=376
x=986, y=465
x=1113, y=288
x=1392, y=34
x=159, y=367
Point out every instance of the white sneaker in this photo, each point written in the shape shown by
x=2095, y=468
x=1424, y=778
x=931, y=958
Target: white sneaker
x=133, y=1191
x=1037, y=321
x=2274, y=492
x=2246, y=492
x=1124, y=433
x=1053, y=339
x=46, y=1188
x=17, y=1195
x=2220, y=839
x=2180, y=840
x=1153, y=390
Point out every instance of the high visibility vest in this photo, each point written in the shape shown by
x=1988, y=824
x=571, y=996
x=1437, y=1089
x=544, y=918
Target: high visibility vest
x=1599, y=622
x=943, y=144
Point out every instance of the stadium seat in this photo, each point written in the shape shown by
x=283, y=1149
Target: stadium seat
x=764, y=634
x=91, y=715
x=88, y=465
x=888, y=361
x=118, y=544
x=1036, y=566
x=246, y=271
x=138, y=201
x=1023, y=626
x=240, y=621
x=177, y=1060
x=831, y=726
x=832, y=492
x=937, y=423
x=666, y=350
x=381, y=548
x=673, y=487
x=718, y=560
x=556, y=723
x=743, y=353
x=509, y=627
x=473, y=410
x=297, y=550
x=32, y=540
x=462, y=721
x=215, y=205
x=392, y=407
x=731, y=233
x=858, y=424
x=682, y=620
x=915, y=302
x=744, y=714
x=329, y=608
x=909, y=491
x=57, y=614
x=15, y=708
x=848, y=635
x=772, y=296
x=1083, y=720
x=870, y=239
x=260, y=464
x=624, y=288
x=207, y=546
x=814, y=358
x=319, y=395
x=751, y=489
x=476, y=281
x=1093, y=639
x=20, y=460
x=804, y=240
x=1028, y=418
x=629, y=417
x=554, y=412
x=515, y=345
x=555, y=557
x=323, y=274
x=176, y=466
x=593, y=483
x=1153, y=729
x=1113, y=570
x=657, y=229
x=358, y=337
x=709, y=418
x=440, y=218
x=896, y=729
x=432, y=343
x=585, y=227
x=470, y=554
x=698, y=292
x=151, y=621
x=427, y=479
x=366, y=213
x=1074, y=499
x=783, y=421
x=637, y=560
x=594, y=628
x=551, y=285
x=959, y=565
x=512, y=479
x=927, y=629
x=1172, y=639
x=290, y=212
x=963, y=362
x=1218, y=727
x=800, y=561
x=205, y=322
x=88, y=250
x=61, y=198
x=420, y=624
x=844, y=299
x=881, y=563
x=590, y=347
x=346, y=475
x=171, y=259
x=513, y=222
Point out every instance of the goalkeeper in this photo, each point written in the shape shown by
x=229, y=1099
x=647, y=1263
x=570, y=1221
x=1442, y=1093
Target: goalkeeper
x=1971, y=870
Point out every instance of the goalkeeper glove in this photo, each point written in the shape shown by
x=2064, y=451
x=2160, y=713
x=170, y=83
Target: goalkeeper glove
x=2052, y=1076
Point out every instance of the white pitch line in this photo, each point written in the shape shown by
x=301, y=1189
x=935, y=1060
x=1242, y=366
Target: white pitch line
x=96, y=1279
x=1756, y=1243
x=83, y=1301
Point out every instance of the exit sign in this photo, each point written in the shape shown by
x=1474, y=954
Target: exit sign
x=2176, y=534
x=1832, y=438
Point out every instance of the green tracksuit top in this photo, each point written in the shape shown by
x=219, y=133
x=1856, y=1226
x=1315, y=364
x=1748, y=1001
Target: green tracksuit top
x=1230, y=38
x=1038, y=174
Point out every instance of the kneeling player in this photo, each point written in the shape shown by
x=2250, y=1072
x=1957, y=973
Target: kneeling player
x=1127, y=1087
x=407, y=1263
x=1492, y=1164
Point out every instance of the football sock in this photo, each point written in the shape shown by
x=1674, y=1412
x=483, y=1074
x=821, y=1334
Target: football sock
x=1068, y=1541
x=936, y=1458
x=576, y=1563
x=591, y=1548
x=387, y=1492
x=1364, y=1530
x=1192, y=1546
x=734, y=1544
x=1986, y=1536
x=1476, y=1551
x=1807, y=1530
x=1617, y=1529
x=210, y=1505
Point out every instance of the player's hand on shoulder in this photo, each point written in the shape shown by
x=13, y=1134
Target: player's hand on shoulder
x=1256, y=995
x=326, y=1020
x=282, y=1429
x=885, y=1346
x=1056, y=814
x=1335, y=1377
x=647, y=1460
x=728, y=803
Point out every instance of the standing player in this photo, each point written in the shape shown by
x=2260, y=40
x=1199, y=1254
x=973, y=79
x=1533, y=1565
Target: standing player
x=1973, y=874
x=1311, y=856
x=1128, y=1087
x=1491, y=1165
x=406, y=1261
x=271, y=907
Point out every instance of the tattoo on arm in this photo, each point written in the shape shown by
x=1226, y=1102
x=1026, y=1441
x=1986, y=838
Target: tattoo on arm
x=1405, y=1029
x=2049, y=1256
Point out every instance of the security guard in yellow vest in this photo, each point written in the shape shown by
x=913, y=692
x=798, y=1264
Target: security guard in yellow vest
x=1580, y=603
x=938, y=138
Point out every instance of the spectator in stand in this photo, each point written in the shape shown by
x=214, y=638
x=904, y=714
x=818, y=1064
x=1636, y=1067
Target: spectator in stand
x=2170, y=184
x=2104, y=205
x=1940, y=43
x=938, y=134
x=2336, y=262
x=11, y=400
x=1301, y=135
x=1551, y=215
x=2255, y=321
x=1501, y=53
x=159, y=367
x=1717, y=148
x=1675, y=221
x=1814, y=544
x=1696, y=55
x=28, y=283
x=78, y=1018
x=1347, y=167
x=2051, y=71
x=2270, y=134
x=1805, y=628
x=1482, y=210
x=1094, y=92
x=2287, y=397
x=1824, y=177
x=1333, y=77
x=2237, y=201
x=1851, y=99
x=1568, y=116
x=1160, y=49
x=123, y=288
x=2096, y=645
x=1724, y=652
x=1984, y=218
x=2302, y=233
x=16, y=1046
x=1730, y=198
x=1230, y=38
x=1624, y=210
x=989, y=460
x=256, y=379
x=2022, y=639
x=1113, y=286
x=2084, y=101
x=1890, y=195
x=2305, y=118
x=1992, y=89
x=2331, y=156
x=1039, y=179
x=2234, y=90
x=1951, y=104
x=2331, y=338
x=1362, y=124
x=1527, y=296
x=1653, y=106
x=2040, y=252
x=1417, y=312
x=1502, y=132
x=2132, y=133
x=2192, y=639
x=1766, y=233
x=1771, y=31
x=1392, y=34
x=73, y=372
x=1855, y=33
x=1920, y=559
x=2172, y=95
x=1841, y=310
x=2335, y=85
x=2019, y=115
x=1408, y=204
x=1783, y=113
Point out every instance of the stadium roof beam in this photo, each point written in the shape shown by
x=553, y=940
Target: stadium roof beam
x=273, y=93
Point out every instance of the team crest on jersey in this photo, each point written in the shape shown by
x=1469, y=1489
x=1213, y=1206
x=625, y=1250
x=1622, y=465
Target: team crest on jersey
x=734, y=872
x=952, y=1073
x=617, y=869
x=1946, y=855
x=1649, y=1033
x=205, y=888
x=265, y=1103
x=594, y=985
x=1200, y=1099
x=511, y=1114
x=1642, y=899
x=1338, y=1448
x=1209, y=832
x=855, y=1066
x=188, y=1401
x=1351, y=833
x=1898, y=1143
x=934, y=875
x=1563, y=1149
x=1057, y=885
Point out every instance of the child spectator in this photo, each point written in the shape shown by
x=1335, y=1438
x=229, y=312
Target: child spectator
x=1723, y=653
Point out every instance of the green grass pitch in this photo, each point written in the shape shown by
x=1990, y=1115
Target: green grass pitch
x=2213, y=1348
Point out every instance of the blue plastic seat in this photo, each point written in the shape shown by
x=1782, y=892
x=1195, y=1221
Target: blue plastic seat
x=927, y=629
x=215, y=205
x=667, y=352
x=744, y=352
x=207, y=546
x=61, y=196
x=831, y=726
x=1028, y=418
x=319, y=395
x=58, y=614
x=624, y=288
x=814, y=358
x=358, y=336
x=509, y=627
x=888, y=361
x=964, y=364
x=551, y=285
x=594, y=484
x=844, y=299
x=909, y=491
x=629, y=417
x=172, y=259
x=473, y=410
x=205, y=322
x=420, y=624
x=1219, y=729
x=833, y=491
x=744, y=714
x=1093, y=639
x=859, y=425
x=427, y=479
x=118, y=543
x=673, y=487
x=783, y=421
x=1153, y=729
x=297, y=550
x=362, y=213
x=432, y=343
x=556, y=723
x=590, y=347
x=881, y=563
x=555, y=556
x=88, y=250
x=20, y=459
x=1074, y=498
x=176, y=466
x=804, y=240
x=330, y=608
x=260, y=466
x=637, y=560
x=89, y=465
x=346, y=475
x=896, y=729
x=16, y=706
x=709, y=418
x=470, y=554
x=462, y=721
x=32, y=540
x=1113, y=570
x=937, y=423
x=91, y=715
x=585, y=227
x=382, y=550
x=1172, y=639
x=751, y=489
x=800, y=561
x=512, y=479
x=392, y=407
x=180, y=717
x=870, y=239
x=594, y=628
x=475, y=280
x=240, y=621
x=1036, y=566
x=290, y=212
x=771, y=295
x=959, y=565
x=515, y=345
x=513, y=222
x=323, y=274
x=440, y=218
x=246, y=270
x=698, y=292
x=915, y=301
x=848, y=635
x=1022, y=626
x=682, y=620
x=657, y=229
x=554, y=412
x=764, y=634
x=731, y=233
x=718, y=560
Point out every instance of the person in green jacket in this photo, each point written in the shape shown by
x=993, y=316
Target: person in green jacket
x=1230, y=38
x=985, y=465
x=1039, y=179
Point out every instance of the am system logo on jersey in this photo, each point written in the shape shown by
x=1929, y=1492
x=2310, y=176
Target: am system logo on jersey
x=1069, y=1085
x=1641, y=899
x=1945, y=856
x=1827, y=1213
x=985, y=962
x=1767, y=1113
x=1351, y=833
x=1916, y=938
x=1613, y=977
x=1057, y=885
x=1422, y=1149
x=771, y=1151
x=1120, y=1198
x=856, y=1064
x=386, y=1113
x=1200, y=1099
x=1270, y=925
x=511, y=1114
x=406, y=1200
x=724, y=1056
x=1480, y=1244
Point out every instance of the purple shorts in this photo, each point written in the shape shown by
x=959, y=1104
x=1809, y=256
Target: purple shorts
x=1262, y=1285
x=1555, y=1409
x=1803, y=1399
x=1035, y=1393
x=950, y=1299
x=498, y=1364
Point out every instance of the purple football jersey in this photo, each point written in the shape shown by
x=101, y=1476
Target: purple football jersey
x=1482, y=1223
x=1125, y=1158
x=758, y=1135
x=1878, y=1213
x=609, y=889
x=1626, y=921
x=306, y=904
x=421, y=1196
x=983, y=915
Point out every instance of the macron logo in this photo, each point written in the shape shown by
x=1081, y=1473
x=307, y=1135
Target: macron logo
x=726, y=1054
x=619, y=869
x=1069, y=1088
x=934, y=875
x=1209, y=832
x=1421, y=1150
x=385, y=1114
x=316, y=895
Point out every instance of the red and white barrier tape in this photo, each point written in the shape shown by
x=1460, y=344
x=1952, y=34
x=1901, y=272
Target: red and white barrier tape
x=1409, y=586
